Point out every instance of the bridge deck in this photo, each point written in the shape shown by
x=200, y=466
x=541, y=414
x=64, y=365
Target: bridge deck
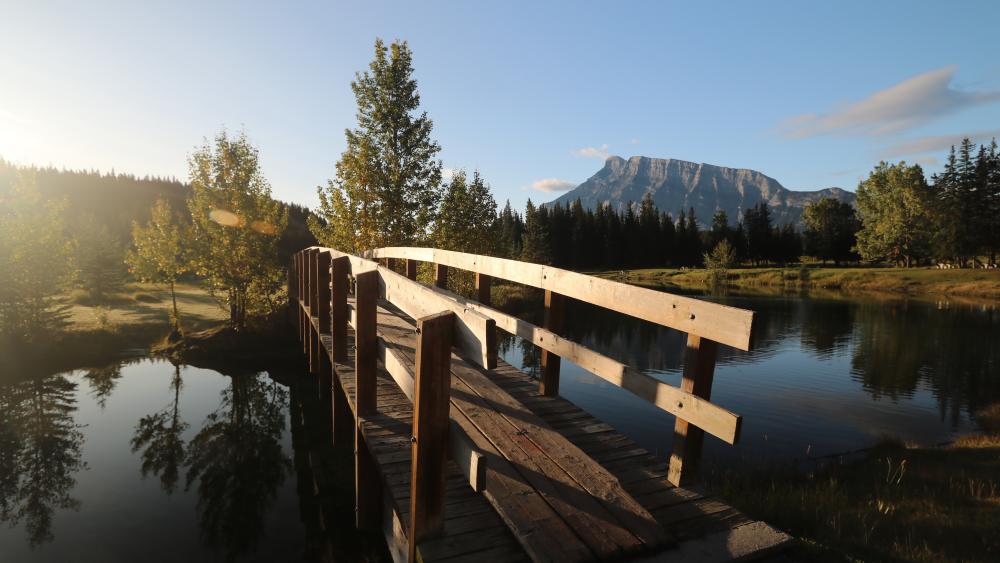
x=611, y=500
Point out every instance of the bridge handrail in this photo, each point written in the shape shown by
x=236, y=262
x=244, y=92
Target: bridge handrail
x=720, y=323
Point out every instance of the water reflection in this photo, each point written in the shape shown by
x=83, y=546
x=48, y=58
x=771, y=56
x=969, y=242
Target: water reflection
x=159, y=437
x=827, y=373
x=238, y=463
x=40, y=453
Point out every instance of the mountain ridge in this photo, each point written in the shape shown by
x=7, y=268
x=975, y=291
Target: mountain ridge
x=679, y=184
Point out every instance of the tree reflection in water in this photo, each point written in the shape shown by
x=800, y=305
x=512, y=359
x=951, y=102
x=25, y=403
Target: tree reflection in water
x=40, y=452
x=237, y=462
x=103, y=381
x=159, y=436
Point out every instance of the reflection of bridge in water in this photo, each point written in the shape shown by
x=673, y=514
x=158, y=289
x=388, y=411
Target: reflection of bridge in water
x=459, y=455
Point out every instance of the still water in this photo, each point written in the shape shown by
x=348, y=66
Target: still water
x=826, y=374
x=146, y=461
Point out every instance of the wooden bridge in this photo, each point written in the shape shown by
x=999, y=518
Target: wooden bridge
x=461, y=456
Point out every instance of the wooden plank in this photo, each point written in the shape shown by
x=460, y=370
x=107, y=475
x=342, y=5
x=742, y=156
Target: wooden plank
x=699, y=367
x=475, y=334
x=366, y=345
x=323, y=291
x=555, y=307
x=537, y=527
x=723, y=324
x=484, y=286
x=711, y=418
x=367, y=489
x=441, y=276
x=338, y=307
x=430, y=428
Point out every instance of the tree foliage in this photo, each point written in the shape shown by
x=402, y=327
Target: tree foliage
x=159, y=252
x=468, y=216
x=893, y=206
x=831, y=228
x=387, y=184
x=35, y=259
x=236, y=226
x=100, y=258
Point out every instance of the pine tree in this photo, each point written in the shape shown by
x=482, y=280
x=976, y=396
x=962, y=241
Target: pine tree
x=831, y=229
x=535, y=245
x=100, y=258
x=387, y=184
x=467, y=216
x=511, y=231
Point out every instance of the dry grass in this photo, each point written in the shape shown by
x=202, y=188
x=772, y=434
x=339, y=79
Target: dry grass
x=145, y=304
x=980, y=283
x=898, y=503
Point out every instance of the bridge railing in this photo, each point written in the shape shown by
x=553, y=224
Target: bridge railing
x=706, y=324
x=320, y=292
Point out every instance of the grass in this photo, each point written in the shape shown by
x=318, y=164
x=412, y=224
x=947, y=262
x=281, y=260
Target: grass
x=132, y=320
x=977, y=283
x=897, y=503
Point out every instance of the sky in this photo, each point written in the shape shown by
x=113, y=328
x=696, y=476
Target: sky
x=534, y=95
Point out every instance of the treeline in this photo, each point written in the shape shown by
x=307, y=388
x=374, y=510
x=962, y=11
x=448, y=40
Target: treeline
x=640, y=236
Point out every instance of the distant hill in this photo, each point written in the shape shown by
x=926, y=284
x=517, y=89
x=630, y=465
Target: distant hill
x=677, y=185
x=116, y=200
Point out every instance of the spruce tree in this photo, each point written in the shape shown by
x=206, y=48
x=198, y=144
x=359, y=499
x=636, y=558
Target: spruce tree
x=387, y=184
x=535, y=245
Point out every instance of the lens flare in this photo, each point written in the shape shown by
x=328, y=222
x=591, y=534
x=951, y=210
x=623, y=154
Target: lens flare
x=225, y=218
x=264, y=227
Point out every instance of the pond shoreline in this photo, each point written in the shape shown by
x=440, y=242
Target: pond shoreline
x=889, y=281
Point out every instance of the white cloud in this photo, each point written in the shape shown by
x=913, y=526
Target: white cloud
x=910, y=103
x=552, y=185
x=634, y=140
x=448, y=173
x=927, y=161
x=935, y=143
x=593, y=152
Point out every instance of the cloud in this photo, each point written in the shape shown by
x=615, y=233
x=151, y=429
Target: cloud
x=910, y=103
x=934, y=143
x=448, y=173
x=552, y=185
x=593, y=152
x=927, y=161
x=634, y=140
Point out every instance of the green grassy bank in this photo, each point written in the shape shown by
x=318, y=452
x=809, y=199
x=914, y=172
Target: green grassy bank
x=977, y=283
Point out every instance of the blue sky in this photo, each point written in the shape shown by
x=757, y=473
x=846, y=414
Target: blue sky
x=533, y=94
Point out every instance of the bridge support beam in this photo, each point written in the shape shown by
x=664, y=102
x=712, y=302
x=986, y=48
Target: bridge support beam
x=367, y=488
x=555, y=306
x=430, y=428
x=699, y=370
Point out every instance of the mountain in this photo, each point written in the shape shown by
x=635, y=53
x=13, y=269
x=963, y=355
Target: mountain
x=677, y=185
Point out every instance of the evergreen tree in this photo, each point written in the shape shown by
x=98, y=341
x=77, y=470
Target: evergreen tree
x=535, y=245
x=467, y=216
x=511, y=231
x=100, y=258
x=831, y=228
x=387, y=184
x=759, y=233
x=35, y=259
x=159, y=252
x=235, y=227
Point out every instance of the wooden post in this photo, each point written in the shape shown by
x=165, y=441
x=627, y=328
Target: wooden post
x=555, y=305
x=315, y=344
x=367, y=492
x=291, y=290
x=338, y=307
x=441, y=276
x=390, y=263
x=323, y=291
x=483, y=285
x=411, y=269
x=298, y=294
x=430, y=427
x=699, y=367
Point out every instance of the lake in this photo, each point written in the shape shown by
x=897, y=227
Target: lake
x=825, y=375
x=143, y=460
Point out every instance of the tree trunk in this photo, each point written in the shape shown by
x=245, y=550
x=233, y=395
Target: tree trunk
x=173, y=297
